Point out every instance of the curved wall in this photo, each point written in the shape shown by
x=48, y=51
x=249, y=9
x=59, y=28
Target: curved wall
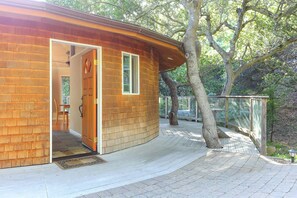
x=128, y=120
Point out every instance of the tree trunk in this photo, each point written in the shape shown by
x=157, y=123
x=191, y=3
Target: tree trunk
x=229, y=81
x=174, y=98
x=209, y=130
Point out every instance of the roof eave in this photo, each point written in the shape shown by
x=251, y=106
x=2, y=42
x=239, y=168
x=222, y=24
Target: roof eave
x=102, y=21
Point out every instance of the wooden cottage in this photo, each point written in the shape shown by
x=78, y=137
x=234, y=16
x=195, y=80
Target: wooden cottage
x=96, y=76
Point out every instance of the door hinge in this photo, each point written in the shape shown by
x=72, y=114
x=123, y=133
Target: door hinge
x=96, y=101
x=95, y=62
x=95, y=140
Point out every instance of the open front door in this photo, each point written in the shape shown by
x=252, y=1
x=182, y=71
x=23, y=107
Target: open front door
x=89, y=115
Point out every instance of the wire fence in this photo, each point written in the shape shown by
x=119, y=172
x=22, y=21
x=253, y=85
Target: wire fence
x=245, y=114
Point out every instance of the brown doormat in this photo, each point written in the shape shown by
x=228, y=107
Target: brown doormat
x=79, y=162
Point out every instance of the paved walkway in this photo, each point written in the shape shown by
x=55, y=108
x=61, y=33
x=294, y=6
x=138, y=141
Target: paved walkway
x=219, y=174
x=174, y=151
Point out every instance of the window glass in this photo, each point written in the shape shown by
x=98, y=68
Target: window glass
x=130, y=73
x=65, y=89
x=126, y=73
x=135, y=74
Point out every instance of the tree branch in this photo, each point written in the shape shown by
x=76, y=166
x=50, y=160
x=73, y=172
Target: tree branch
x=262, y=11
x=211, y=40
x=110, y=4
x=174, y=20
x=229, y=26
x=279, y=13
x=150, y=9
x=213, y=31
x=248, y=46
x=261, y=58
x=182, y=29
x=289, y=11
x=241, y=12
x=248, y=21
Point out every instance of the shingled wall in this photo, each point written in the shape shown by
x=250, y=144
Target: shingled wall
x=128, y=120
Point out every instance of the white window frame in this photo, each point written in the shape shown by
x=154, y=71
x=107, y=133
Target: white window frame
x=130, y=67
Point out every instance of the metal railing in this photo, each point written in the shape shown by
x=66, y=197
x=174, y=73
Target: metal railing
x=245, y=114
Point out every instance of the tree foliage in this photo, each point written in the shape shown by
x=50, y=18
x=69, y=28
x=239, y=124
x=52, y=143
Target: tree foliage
x=123, y=10
x=231, y=32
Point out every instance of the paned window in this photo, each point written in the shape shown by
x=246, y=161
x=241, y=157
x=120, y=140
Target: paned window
x=130, y=73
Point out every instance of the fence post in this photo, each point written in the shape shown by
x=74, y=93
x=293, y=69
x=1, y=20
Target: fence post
x=226, y=112
x=239, y=100
x=189, y=103
x=263, y=126
x=196, y=111
x=166, y=107
x=251, y=114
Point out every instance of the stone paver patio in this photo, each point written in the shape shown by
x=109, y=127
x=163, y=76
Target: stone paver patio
x=218, y=174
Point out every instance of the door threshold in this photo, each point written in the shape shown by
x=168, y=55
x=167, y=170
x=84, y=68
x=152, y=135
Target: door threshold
x=75, y=156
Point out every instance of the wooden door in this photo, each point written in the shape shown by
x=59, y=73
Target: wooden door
x=89, y=98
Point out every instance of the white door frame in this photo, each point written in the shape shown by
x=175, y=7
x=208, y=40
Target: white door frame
x=99, y=91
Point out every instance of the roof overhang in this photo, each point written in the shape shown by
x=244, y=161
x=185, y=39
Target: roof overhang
x=170, y=50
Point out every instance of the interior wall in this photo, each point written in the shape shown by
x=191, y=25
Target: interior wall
x=75, y=92
x=57, y=73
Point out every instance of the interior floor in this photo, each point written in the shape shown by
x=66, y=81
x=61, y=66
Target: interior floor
x=66, y=143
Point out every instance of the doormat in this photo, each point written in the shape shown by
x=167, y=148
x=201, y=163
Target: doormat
x=79, y=162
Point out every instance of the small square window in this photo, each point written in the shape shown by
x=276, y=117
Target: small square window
x=130, y=73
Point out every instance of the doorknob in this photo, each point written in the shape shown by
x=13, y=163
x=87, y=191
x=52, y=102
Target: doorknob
x=80, y=108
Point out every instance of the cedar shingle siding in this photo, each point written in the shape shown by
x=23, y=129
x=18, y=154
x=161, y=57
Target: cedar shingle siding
x=127, y=120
